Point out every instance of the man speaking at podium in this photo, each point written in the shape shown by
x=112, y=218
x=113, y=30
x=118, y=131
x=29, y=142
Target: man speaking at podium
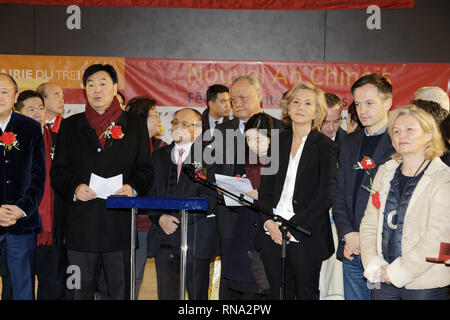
x=107, y=142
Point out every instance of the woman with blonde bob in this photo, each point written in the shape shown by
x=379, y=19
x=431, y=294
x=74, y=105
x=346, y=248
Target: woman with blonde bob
x=301, y=192
x=408, y=215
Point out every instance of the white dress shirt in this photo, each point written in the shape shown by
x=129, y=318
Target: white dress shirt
x=187, y=149
x=5, y=123
x=285, y=202
x=212, y=122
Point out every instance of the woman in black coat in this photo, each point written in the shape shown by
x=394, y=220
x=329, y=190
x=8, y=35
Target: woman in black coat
x=301, y=192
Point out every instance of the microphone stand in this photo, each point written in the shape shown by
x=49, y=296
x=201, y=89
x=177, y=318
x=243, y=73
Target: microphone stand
x=284, y=224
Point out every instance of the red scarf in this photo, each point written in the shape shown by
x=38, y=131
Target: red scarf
x=253, y=171
x=101, y=122
x=46, y=208
x=151, y=145
x=56, y=124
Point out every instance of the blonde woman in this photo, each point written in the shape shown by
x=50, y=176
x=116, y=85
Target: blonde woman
x=302, y=189
x=408, y=215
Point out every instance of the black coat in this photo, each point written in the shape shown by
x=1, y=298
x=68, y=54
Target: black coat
x=90, y=226
x=312, y=193
x=226, y=217
x=22, y=173
x=346, y=217
x=202, y=231
x=340, y=135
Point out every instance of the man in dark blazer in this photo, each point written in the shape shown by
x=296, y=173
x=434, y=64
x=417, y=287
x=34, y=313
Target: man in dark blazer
x=164, y=236
x=22, y=169
x=373, y=99
x=107, y=142
x=218, y=108
x=246, y=96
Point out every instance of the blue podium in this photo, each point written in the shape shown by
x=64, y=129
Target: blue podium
x=181, y=204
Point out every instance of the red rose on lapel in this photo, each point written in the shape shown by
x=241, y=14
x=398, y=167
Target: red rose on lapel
x=376, y=199
x=8, y=138
x=367, y=163
x=116, y=132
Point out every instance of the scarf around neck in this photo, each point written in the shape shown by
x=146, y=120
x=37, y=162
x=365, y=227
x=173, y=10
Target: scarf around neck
x=46, y=207
x=100, y=122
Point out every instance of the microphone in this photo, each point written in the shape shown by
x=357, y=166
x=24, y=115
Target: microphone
x=192, y=173
x=189, y=169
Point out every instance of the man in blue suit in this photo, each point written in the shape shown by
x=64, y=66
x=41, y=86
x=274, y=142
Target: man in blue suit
x=373, y=99
x=22, y=178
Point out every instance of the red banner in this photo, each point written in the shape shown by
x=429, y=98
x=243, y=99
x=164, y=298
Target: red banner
x=226, y=4
x=184, y=82
x=181, y=83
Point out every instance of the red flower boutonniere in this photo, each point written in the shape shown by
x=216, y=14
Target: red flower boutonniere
x=199, y=170
x=374, y=194
x=113, y=131
x=365, y=164
x=8, y=141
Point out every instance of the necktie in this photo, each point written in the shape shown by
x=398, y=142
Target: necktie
x=242, y=127
x=180, y=162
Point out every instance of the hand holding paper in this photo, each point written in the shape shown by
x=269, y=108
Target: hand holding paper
x=84, y=193
x=126, y=190
x=104, y=187
x=236, y=186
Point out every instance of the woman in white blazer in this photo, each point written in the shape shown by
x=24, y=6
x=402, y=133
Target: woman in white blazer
x=408, y=215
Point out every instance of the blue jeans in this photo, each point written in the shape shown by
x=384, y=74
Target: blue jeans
x=355, y=285
x=390, y=292
x=20, y=251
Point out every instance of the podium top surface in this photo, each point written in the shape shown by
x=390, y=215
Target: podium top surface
x=157, y=203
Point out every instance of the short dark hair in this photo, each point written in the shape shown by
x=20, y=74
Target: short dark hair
x=433, y=108
x=261, y=121
x=16, y=88
x=213, y=91
x=109, y=69
x=351, y=112
x=140, y=106
x=24, y=95
x=383, y=86
x=123, y=97
x=332, y=100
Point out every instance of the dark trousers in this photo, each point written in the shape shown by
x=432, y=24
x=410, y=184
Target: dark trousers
x=390, y=292
x=167, y=263
x=238, y=290
x=141, y=260
x=302, y=273
x=20, y=258
x=51, y=267
x=116, y=266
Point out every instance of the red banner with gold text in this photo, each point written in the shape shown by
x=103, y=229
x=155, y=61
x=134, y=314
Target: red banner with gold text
x=182, y=83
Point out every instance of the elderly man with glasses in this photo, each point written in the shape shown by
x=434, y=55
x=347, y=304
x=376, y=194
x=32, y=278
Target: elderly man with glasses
x=165, y=237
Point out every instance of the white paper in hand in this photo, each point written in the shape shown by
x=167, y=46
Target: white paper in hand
x=236, y=186
x=105, y=187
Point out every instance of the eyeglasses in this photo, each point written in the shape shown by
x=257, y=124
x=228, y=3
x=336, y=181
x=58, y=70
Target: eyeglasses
x=244, y=99
x=184, y=124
